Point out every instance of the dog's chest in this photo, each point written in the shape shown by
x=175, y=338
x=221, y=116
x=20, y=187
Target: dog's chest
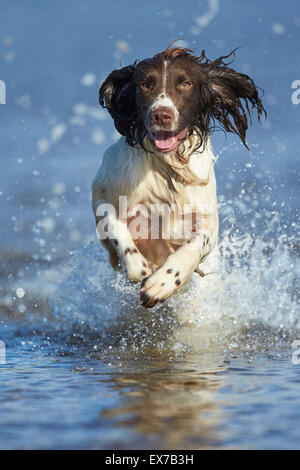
x=158, y=186
x=162, y=211
x=145, y=180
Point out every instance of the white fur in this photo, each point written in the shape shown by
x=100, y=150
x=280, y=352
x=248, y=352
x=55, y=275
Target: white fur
x=164, y=101
x=149, y=178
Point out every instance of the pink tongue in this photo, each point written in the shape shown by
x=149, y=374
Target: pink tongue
x=164, y=143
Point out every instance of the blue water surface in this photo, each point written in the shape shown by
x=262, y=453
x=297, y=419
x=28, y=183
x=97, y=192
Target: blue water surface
x=83, y=365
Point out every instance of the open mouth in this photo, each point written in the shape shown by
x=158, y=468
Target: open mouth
x=167, y=141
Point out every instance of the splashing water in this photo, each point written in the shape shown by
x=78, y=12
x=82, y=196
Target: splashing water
x=250, y=305
x=111, y=374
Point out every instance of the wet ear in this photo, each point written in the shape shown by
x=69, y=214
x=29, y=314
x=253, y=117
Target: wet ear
x=117, y=94
x=234, y=99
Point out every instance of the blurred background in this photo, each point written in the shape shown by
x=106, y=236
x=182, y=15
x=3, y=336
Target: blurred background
x=53, y=57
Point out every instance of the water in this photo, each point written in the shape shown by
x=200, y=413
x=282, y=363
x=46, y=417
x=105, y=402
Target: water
x=216, y=366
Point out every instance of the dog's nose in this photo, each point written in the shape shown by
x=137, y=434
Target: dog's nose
x=162, y=117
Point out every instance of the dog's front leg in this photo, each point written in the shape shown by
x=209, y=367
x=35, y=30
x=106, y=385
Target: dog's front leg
x=114, y=231
x=173, y=274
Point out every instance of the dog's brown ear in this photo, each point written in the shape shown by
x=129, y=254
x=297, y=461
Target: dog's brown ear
x=117, y=94
x=234, y=98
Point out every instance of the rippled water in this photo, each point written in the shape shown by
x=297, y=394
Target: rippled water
x=56, y=401
x=213, y=367
x=216, y=366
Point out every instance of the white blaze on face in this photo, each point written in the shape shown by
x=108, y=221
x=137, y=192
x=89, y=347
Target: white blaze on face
x=162, y=100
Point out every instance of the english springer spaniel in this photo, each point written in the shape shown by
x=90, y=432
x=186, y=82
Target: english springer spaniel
x=154, y=197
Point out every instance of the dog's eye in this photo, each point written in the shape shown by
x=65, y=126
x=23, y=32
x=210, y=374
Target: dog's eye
x=186, y=85
x=145, y=86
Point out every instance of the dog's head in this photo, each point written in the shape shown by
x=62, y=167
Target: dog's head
x=175, y=94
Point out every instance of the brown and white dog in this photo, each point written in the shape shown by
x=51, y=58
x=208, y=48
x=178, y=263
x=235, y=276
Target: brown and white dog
x=163, y=167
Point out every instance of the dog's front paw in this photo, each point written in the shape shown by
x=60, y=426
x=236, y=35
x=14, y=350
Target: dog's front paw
x=158, y=287
x=136, y=265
